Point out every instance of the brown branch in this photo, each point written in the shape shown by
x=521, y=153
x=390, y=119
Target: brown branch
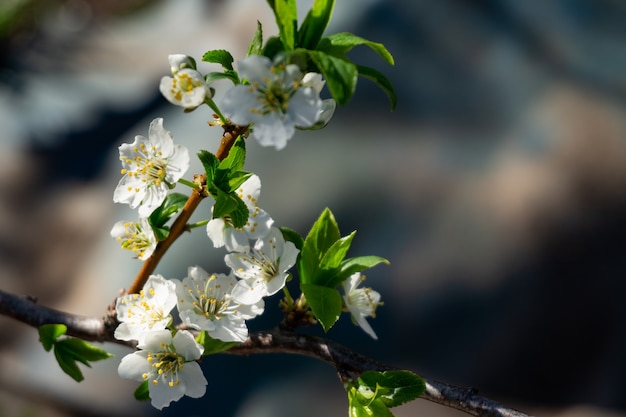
x=348, y=363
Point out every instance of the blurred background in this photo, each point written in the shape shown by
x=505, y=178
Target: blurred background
x=497, y=190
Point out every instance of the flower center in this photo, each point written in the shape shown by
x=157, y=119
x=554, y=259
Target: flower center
x=210, y=301
x=134, y=239
x=149, y=165
x=166, y=364
x=273, y=95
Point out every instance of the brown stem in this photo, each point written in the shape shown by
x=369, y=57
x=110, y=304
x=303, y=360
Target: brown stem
x=348, y=363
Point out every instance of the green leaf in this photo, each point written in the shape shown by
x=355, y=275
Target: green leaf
x=225, y=203
x=49, y=333
x=239, y=216
x=374, y=408
x=84, y=351
x=173, y=203
x=325, y=303
x=393, y=388
x=286, y=14
x=292, y=236
x=142, y=393
x=256, y=45
x=219, y=56
x=322, y=235
x=339, y=44
x=315, y=23
x=238, y=178
x=337, y=252
x=210, y=164
x=236, y=157
x=68, y=363
x=273, y=47
x=381, y=81
x=353, y=265
x=211, y=345
x=231, y=75
x=340, y=74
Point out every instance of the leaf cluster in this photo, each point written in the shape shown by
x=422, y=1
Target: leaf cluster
x=69, y=350
x=223, y=178
x=374, y=393
x=322, y=266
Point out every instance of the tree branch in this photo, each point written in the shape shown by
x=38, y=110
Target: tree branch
x=348, y=363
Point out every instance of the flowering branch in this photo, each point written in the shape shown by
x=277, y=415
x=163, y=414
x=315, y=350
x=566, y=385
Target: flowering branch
x=349, y=364
x=231, y=133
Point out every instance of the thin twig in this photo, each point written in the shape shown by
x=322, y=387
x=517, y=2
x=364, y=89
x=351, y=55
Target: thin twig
x=348, y=363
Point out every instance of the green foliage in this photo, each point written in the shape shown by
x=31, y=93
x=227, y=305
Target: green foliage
x=68, y=350
x=315, y=23
x=375, y=392
x=173, y=203
x=219, y=56
x=212, y=346
x=142, y=393
x=308, y=48
x=286, y=13
x=256, y=44
x=322, y=266
x=325, y=303
x=223, y=179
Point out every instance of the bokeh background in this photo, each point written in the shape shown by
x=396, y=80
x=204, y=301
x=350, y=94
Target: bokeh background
x=497, y=189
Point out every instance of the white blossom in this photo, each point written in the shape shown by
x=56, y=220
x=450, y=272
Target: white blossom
x=221, y=230
x=275, y=101
x=264, y=270
x=205, y=303
x=150, y=167
x=137, y=237
x=169, y=365
x=186, y=88
x=147, y=311
x=361, y=302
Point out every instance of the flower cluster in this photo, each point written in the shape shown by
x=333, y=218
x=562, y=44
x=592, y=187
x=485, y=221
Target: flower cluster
x=272, y=100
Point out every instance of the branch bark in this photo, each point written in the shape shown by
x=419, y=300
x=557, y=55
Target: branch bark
x=348, y=363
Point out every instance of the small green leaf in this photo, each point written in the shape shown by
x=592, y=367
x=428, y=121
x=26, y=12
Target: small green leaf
x=239, y=216
x=256, y=45
x=172, y=204
x=237, y=178
x=337, y=252
x=373, y=408
x=219, y=56
x=393, y=388
x=381, y=81
x=210, y=164
x=292, y=236
x=142, y=393
x=286, y=14
x=340, y=74
x=325, y=303
x=211, y=345
x=339, y=44
x=315, y=23
x=68, y=363
x=322, y=235
x=84, y=351
x=273, y=47
x=236, y=157
x=227, y=74
x=353, y=265
x=49, y=333
x=225, y=203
